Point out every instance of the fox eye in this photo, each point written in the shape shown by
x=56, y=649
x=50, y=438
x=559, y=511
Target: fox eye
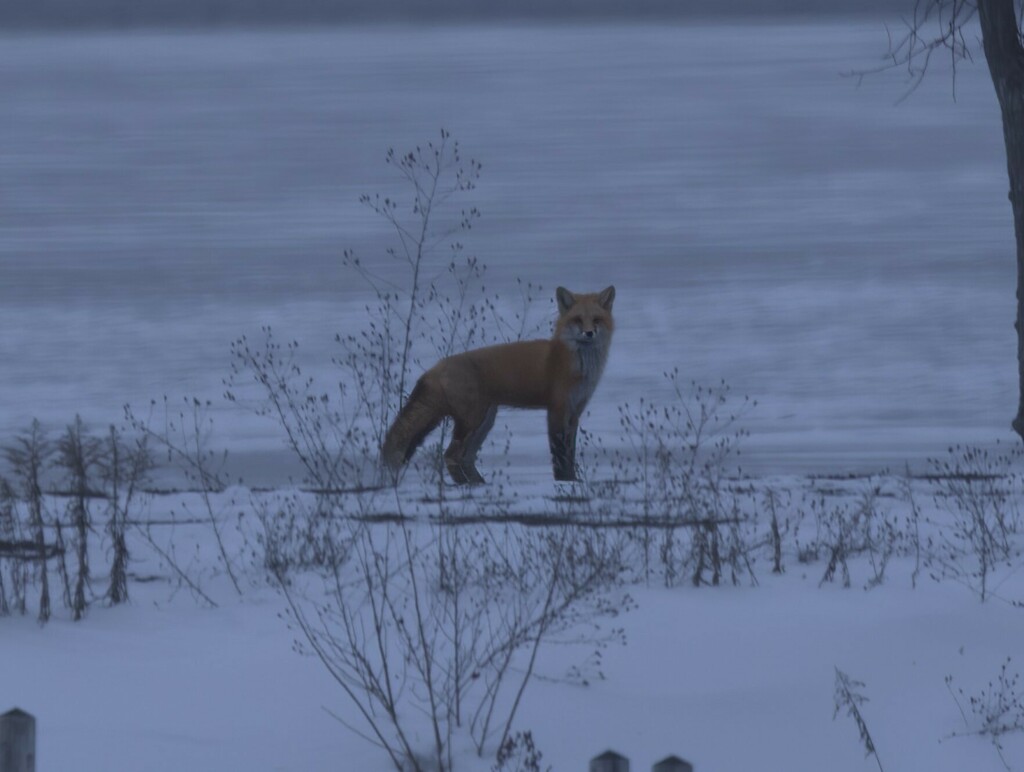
x=577, y=320
x=598, y=320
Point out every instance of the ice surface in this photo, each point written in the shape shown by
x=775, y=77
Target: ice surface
x=846, y=261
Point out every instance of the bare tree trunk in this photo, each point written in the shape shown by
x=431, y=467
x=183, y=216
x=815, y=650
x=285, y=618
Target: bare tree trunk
x=1005, y=57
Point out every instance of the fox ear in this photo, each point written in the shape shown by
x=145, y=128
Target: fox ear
x=606, y=298
x=565, y=299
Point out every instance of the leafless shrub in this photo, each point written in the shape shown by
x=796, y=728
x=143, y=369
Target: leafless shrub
x=182, y=435
x=28, y=456
x=321, y=426
x=678, y=465
x=60, y=548
x=77, y=456
x=849, y=697
x=435, y=174
x=444, y=621
x=12, y=590
x=914, y=518
x=997, y=710
x=978, y=490
x=845, y=530
x=519, y=754
x=124, y=466
x=773, y=501
x=427, y=305
x=85, y=469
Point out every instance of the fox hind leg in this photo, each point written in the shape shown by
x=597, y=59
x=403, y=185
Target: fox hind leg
x=476, y=438
x=467, y=438
x=455, y=458
x=453, y=461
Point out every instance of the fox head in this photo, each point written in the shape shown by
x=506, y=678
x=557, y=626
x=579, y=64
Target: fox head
x=585, y=319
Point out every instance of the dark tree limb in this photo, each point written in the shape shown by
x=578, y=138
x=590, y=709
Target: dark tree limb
x=1001, y=38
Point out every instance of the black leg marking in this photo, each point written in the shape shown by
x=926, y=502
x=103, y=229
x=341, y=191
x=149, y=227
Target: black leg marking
x=562, y=456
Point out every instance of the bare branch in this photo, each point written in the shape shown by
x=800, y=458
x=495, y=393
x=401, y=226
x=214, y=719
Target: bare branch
x=934, y=26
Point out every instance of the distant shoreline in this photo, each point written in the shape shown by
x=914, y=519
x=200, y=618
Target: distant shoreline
x=117, y=14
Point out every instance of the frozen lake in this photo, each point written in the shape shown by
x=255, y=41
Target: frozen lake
x=845, y=260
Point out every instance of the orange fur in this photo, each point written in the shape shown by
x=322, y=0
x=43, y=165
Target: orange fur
x=558, y=375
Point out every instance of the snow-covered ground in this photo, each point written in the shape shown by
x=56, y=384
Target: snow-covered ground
x=730, y=677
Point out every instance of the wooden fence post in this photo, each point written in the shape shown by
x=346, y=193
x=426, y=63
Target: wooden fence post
x=672, y=764
x=609, y=761
x=17, y=742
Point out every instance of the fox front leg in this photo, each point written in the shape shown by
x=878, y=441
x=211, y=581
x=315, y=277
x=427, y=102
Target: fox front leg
x=562, y=439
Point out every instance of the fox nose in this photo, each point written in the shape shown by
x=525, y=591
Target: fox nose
x=588, y=334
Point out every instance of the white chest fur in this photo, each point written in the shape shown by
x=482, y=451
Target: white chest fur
x=590, y=361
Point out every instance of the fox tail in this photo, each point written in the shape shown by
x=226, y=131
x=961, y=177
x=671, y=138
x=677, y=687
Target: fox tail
x=420, y=416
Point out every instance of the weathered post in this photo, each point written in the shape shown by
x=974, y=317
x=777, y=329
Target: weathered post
x=609, y=761
x=17, y=742
x=672, y=764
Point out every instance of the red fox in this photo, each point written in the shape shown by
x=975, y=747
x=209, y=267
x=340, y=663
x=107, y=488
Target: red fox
x=559, y=375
